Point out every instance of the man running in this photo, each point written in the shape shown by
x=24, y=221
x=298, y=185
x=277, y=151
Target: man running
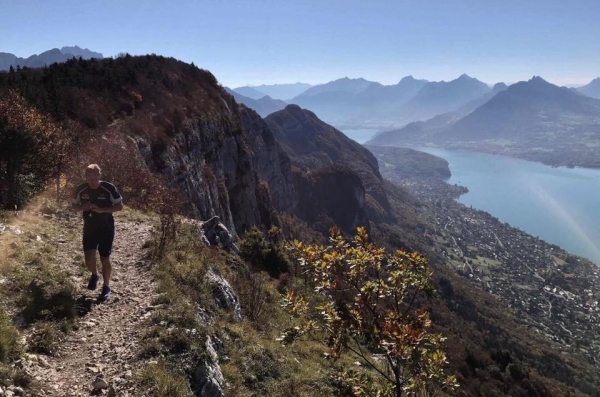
x=98, y=200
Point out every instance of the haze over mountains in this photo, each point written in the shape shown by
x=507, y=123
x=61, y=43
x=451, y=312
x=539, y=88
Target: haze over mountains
x=264, y=105
x=276, y=91
x=592, y=89
x=46, y=58
x=533, y=119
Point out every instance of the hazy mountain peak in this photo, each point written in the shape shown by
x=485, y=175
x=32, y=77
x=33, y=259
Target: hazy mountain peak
x=592, y=89
x=80, y=52
x=499, y=87
x=465, y=76
x=538, y=79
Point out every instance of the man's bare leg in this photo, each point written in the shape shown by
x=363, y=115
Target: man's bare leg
x=90, y=261
x=106, y=270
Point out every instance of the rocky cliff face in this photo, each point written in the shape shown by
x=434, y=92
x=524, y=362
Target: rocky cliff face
x=222, y=165
x=333, y=195
x=313, y=144
x=224, y=159
x=220, y=155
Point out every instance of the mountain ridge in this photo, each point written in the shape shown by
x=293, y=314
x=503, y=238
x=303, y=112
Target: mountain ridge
x=8, y=60
x=533, y=119
x=592, y=89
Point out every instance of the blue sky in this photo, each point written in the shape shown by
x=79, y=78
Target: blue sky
x=268, y=41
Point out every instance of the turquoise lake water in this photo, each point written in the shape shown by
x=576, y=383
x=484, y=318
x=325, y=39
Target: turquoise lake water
x=559, y=205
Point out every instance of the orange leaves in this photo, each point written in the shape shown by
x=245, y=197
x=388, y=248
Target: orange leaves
x=20, y=116
x=364, y=304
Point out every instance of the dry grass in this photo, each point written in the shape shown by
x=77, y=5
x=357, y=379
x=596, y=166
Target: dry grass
x=160, y=381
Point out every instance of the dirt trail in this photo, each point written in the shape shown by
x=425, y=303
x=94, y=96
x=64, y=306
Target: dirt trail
x=108, y=336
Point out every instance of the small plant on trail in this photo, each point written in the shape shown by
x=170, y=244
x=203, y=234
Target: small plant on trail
x=44, y=340
x=366, y=305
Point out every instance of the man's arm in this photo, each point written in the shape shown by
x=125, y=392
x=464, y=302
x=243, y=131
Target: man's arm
x=111, y=209
x=81, y=207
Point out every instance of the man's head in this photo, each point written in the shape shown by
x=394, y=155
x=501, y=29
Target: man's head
x=92, y=175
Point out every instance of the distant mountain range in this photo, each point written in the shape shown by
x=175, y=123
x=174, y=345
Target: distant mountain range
x=360, y=103
x=276, y=91
x=46, y=58
x=592, y=89
x=532, y=119
x=264, y=106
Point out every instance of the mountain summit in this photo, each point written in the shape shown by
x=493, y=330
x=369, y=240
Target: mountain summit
x=46, y=58
x=440, y=97
x=592, y=89
x=531, y=119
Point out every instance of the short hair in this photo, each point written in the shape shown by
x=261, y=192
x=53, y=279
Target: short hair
x=94, y=167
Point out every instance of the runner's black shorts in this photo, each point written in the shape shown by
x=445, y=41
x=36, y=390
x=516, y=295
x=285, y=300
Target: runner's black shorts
x=100, y=239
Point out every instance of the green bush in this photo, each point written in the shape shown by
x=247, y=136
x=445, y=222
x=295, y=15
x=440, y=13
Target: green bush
x=10, y=348
x=264, y=254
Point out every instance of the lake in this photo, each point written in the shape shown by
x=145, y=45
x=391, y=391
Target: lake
x=360, y=135
x=559, y=205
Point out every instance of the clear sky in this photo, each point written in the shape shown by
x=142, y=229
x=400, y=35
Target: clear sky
x=315, y=41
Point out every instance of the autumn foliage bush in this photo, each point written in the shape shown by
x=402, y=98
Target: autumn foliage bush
x=32, y=148
x=366, y=305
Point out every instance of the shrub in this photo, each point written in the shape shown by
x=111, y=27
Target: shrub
x=10, y=348
x=251, y=290
x=263, y=254
x=44, y=340
x=366, y=303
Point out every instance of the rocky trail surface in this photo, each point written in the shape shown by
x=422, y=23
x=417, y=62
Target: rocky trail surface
x=99, y=356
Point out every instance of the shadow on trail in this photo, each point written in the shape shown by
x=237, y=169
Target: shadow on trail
x=84, y=304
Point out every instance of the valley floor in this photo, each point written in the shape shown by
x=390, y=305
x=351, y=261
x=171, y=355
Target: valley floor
x=554, y=293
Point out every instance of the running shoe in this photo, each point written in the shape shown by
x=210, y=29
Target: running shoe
x=93, y=282
x=105, y=292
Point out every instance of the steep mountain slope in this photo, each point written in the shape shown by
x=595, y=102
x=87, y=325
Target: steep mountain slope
x=264, y=105
x=183, y=125
x=313, y=144
x=592, y=89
